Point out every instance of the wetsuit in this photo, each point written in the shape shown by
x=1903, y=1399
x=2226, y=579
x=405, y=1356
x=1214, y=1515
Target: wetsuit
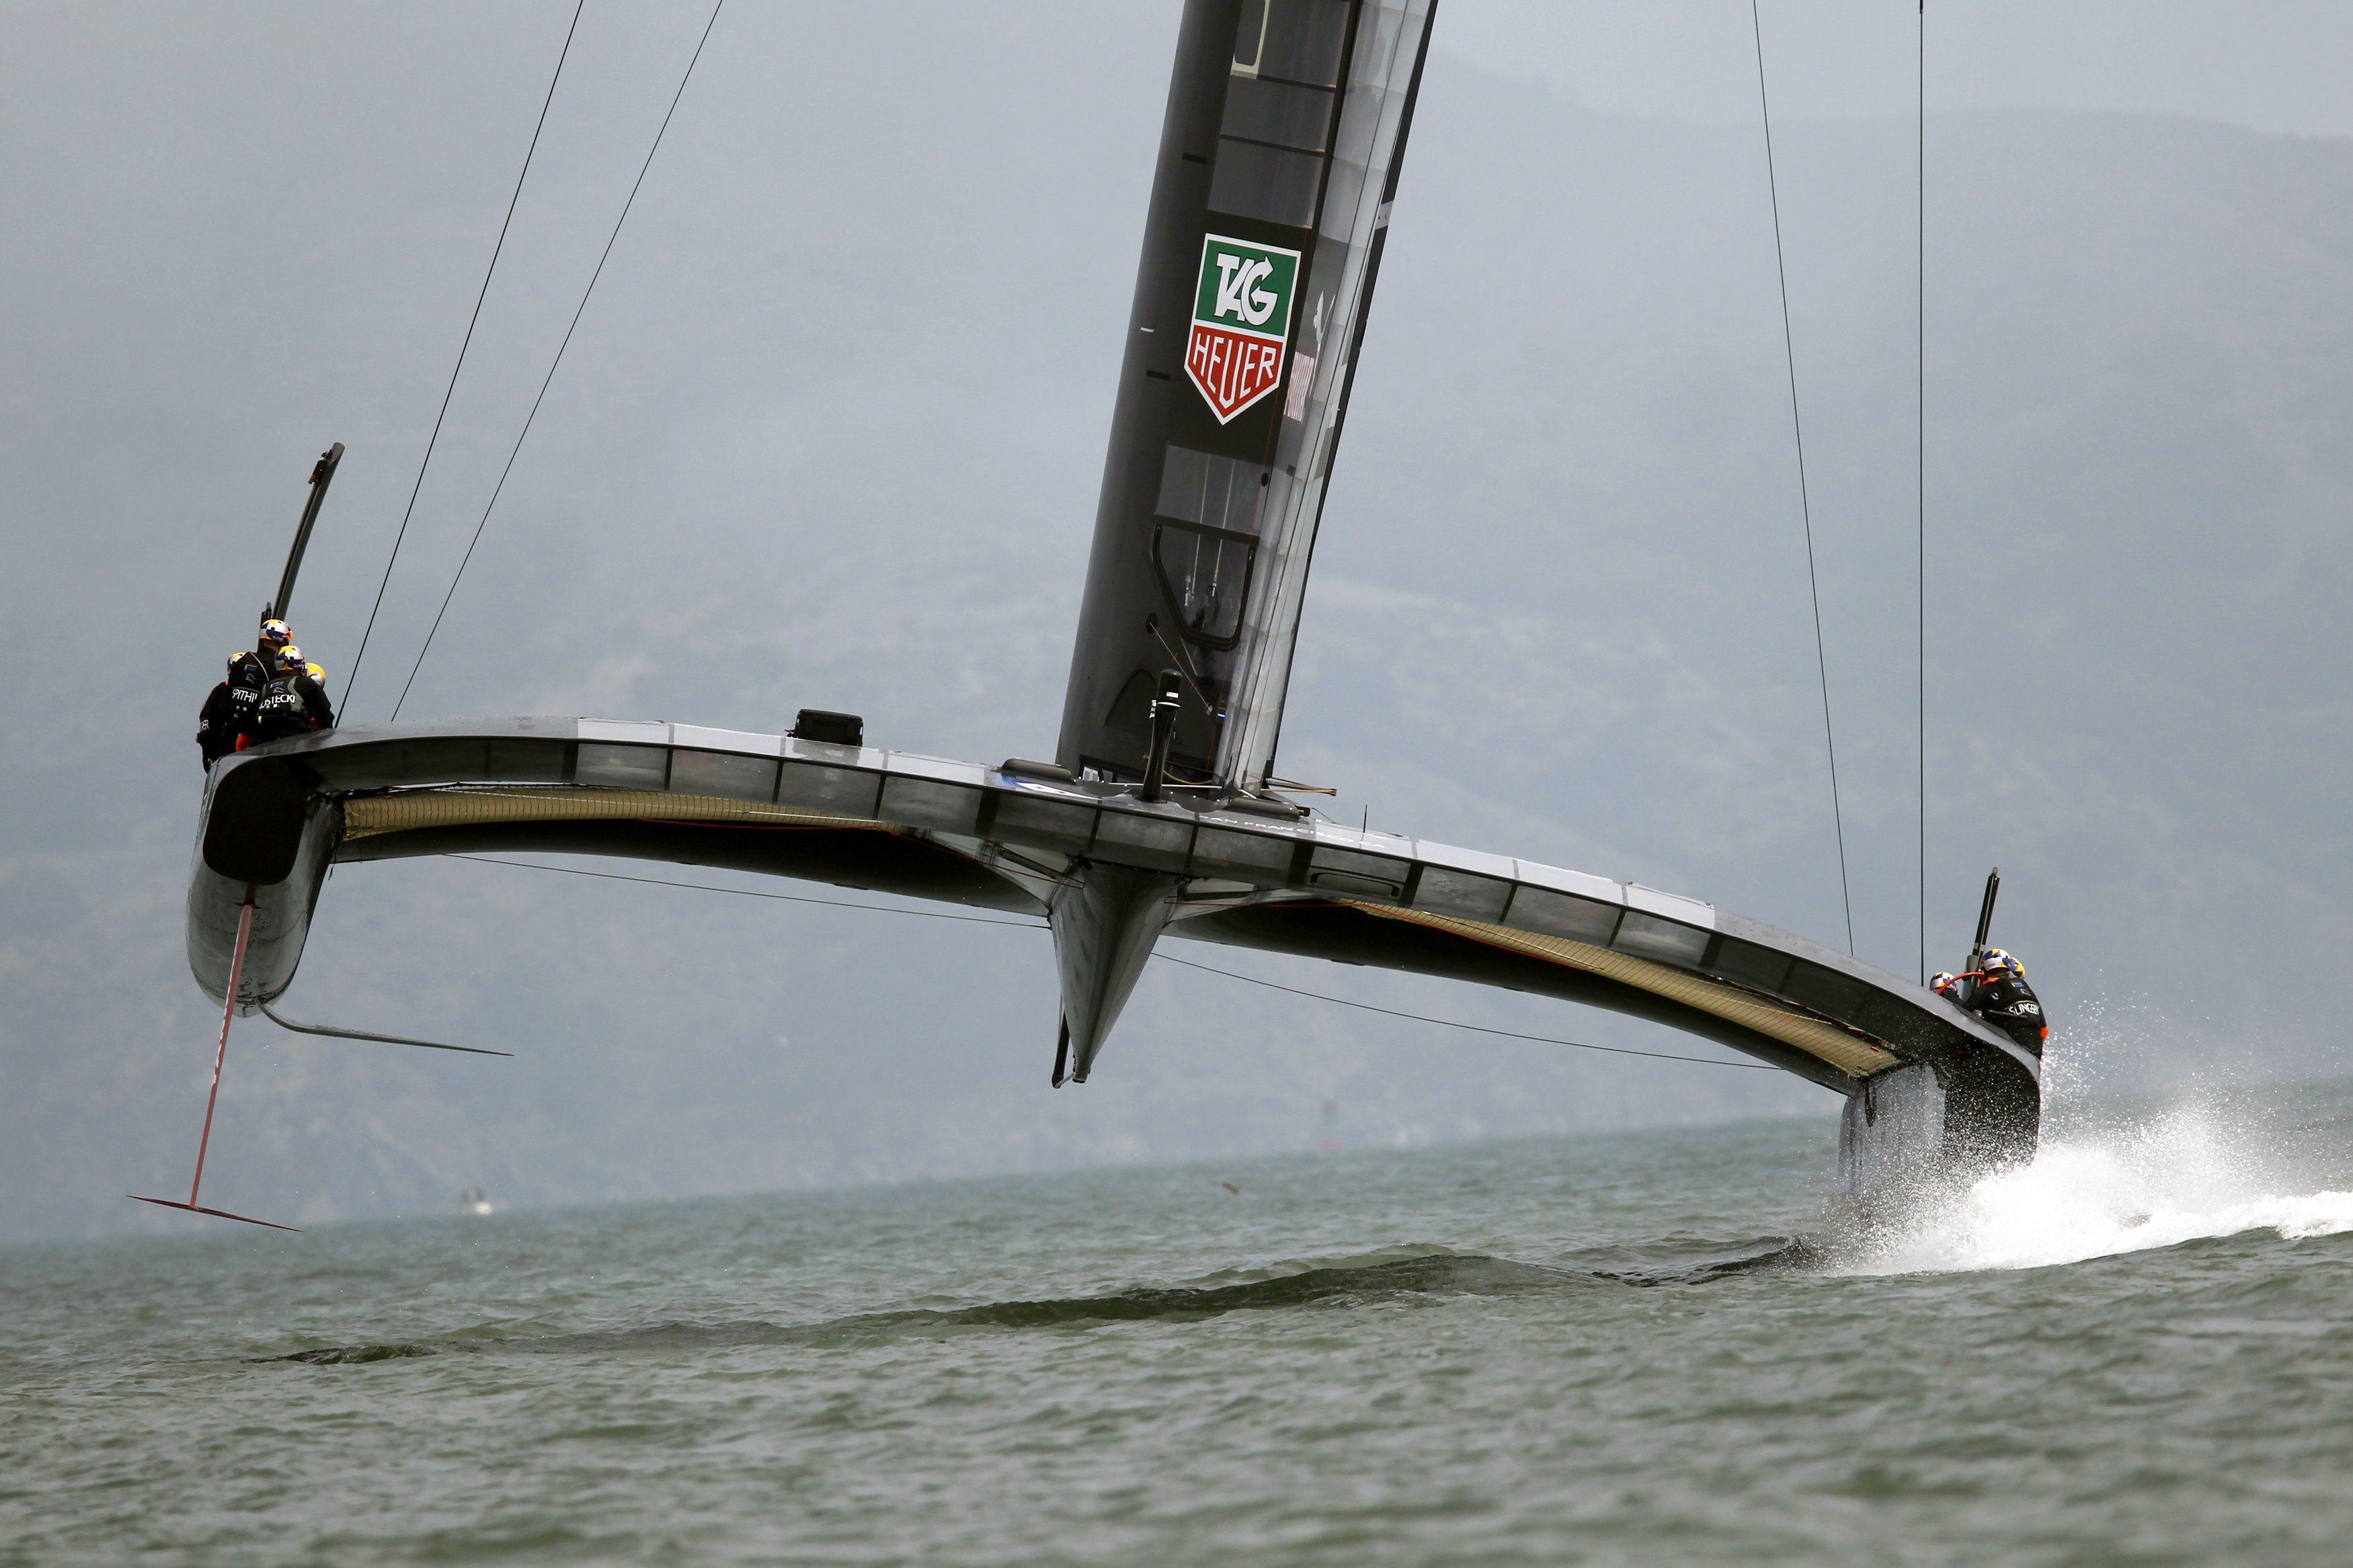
x=292, y=705
x=315, y=703
x=2008, y=1004
x=229, y=714
x=215, y=734
x=2006, y=1000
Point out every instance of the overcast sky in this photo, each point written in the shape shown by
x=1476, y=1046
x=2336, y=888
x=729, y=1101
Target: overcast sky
x=2272, y=65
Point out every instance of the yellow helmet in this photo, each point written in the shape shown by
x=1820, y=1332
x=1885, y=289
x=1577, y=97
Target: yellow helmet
x=1997, y=962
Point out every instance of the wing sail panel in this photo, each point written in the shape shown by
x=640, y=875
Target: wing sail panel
x=1376, y=113
x=1286, y=122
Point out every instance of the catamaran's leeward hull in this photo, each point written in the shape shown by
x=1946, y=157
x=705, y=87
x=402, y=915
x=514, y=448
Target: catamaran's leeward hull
x=1112, y=872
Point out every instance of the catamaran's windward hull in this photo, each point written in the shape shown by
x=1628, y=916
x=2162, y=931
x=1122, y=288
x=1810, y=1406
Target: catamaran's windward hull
x=1209, y=867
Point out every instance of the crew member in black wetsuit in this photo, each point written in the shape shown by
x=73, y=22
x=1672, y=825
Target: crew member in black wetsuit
x=222, y=719
x=294, y=702
x=2003, y=999
x=1996, y=991
x=313, y=688
x=227, y=722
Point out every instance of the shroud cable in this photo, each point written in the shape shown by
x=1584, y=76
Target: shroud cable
x=746, y=892
x=1805, y=501
x=1182, y=963
x=497, y=489
x=1920, y=466
x=1456, y=1024
x=352, y=682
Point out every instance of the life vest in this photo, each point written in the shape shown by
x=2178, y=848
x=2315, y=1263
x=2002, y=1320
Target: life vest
x=284, y=709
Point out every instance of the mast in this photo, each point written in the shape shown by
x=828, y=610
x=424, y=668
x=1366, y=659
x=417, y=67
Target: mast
x=1277, y=164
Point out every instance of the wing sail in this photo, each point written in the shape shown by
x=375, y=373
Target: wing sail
x=1286, y=126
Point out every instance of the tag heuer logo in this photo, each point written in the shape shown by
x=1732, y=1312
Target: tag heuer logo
x=1242, y=319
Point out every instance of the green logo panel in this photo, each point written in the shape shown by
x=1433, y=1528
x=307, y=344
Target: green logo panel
x=1245, y=287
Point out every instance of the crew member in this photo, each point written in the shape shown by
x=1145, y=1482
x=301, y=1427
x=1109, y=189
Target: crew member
x=223, y=717
x=2002, y=998
x=227, y=722
x=294, y=702
x=313, y=685
x=259, y=665
x=1996, y=991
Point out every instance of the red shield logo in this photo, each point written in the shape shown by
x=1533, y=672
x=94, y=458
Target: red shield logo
x=1242, y=321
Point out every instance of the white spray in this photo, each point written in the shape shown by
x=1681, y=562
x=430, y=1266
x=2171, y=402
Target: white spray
x=2223, y=1163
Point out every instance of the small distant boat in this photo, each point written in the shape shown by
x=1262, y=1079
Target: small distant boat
x=473, y=1200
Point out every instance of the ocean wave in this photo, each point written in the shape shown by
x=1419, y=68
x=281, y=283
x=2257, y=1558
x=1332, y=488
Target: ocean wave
x=1378, y=1277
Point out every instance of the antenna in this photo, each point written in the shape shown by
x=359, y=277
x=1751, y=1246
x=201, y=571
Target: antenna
x=322, y=474
x=1163, y=728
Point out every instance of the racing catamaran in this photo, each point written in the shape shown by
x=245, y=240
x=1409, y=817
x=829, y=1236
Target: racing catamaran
x=1161, y=814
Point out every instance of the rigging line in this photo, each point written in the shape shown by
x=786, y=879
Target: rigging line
x=496, y=490
x=1178, y=665
x=1920, y=466
x=1184, y=962
x=352, y=681
x=1805, y=501
x=746, y=892
x=1454, y=1023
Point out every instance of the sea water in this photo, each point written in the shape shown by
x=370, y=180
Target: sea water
x=1644, y=1347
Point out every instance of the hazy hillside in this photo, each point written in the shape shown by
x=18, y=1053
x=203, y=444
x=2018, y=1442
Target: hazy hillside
x=830, y=435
